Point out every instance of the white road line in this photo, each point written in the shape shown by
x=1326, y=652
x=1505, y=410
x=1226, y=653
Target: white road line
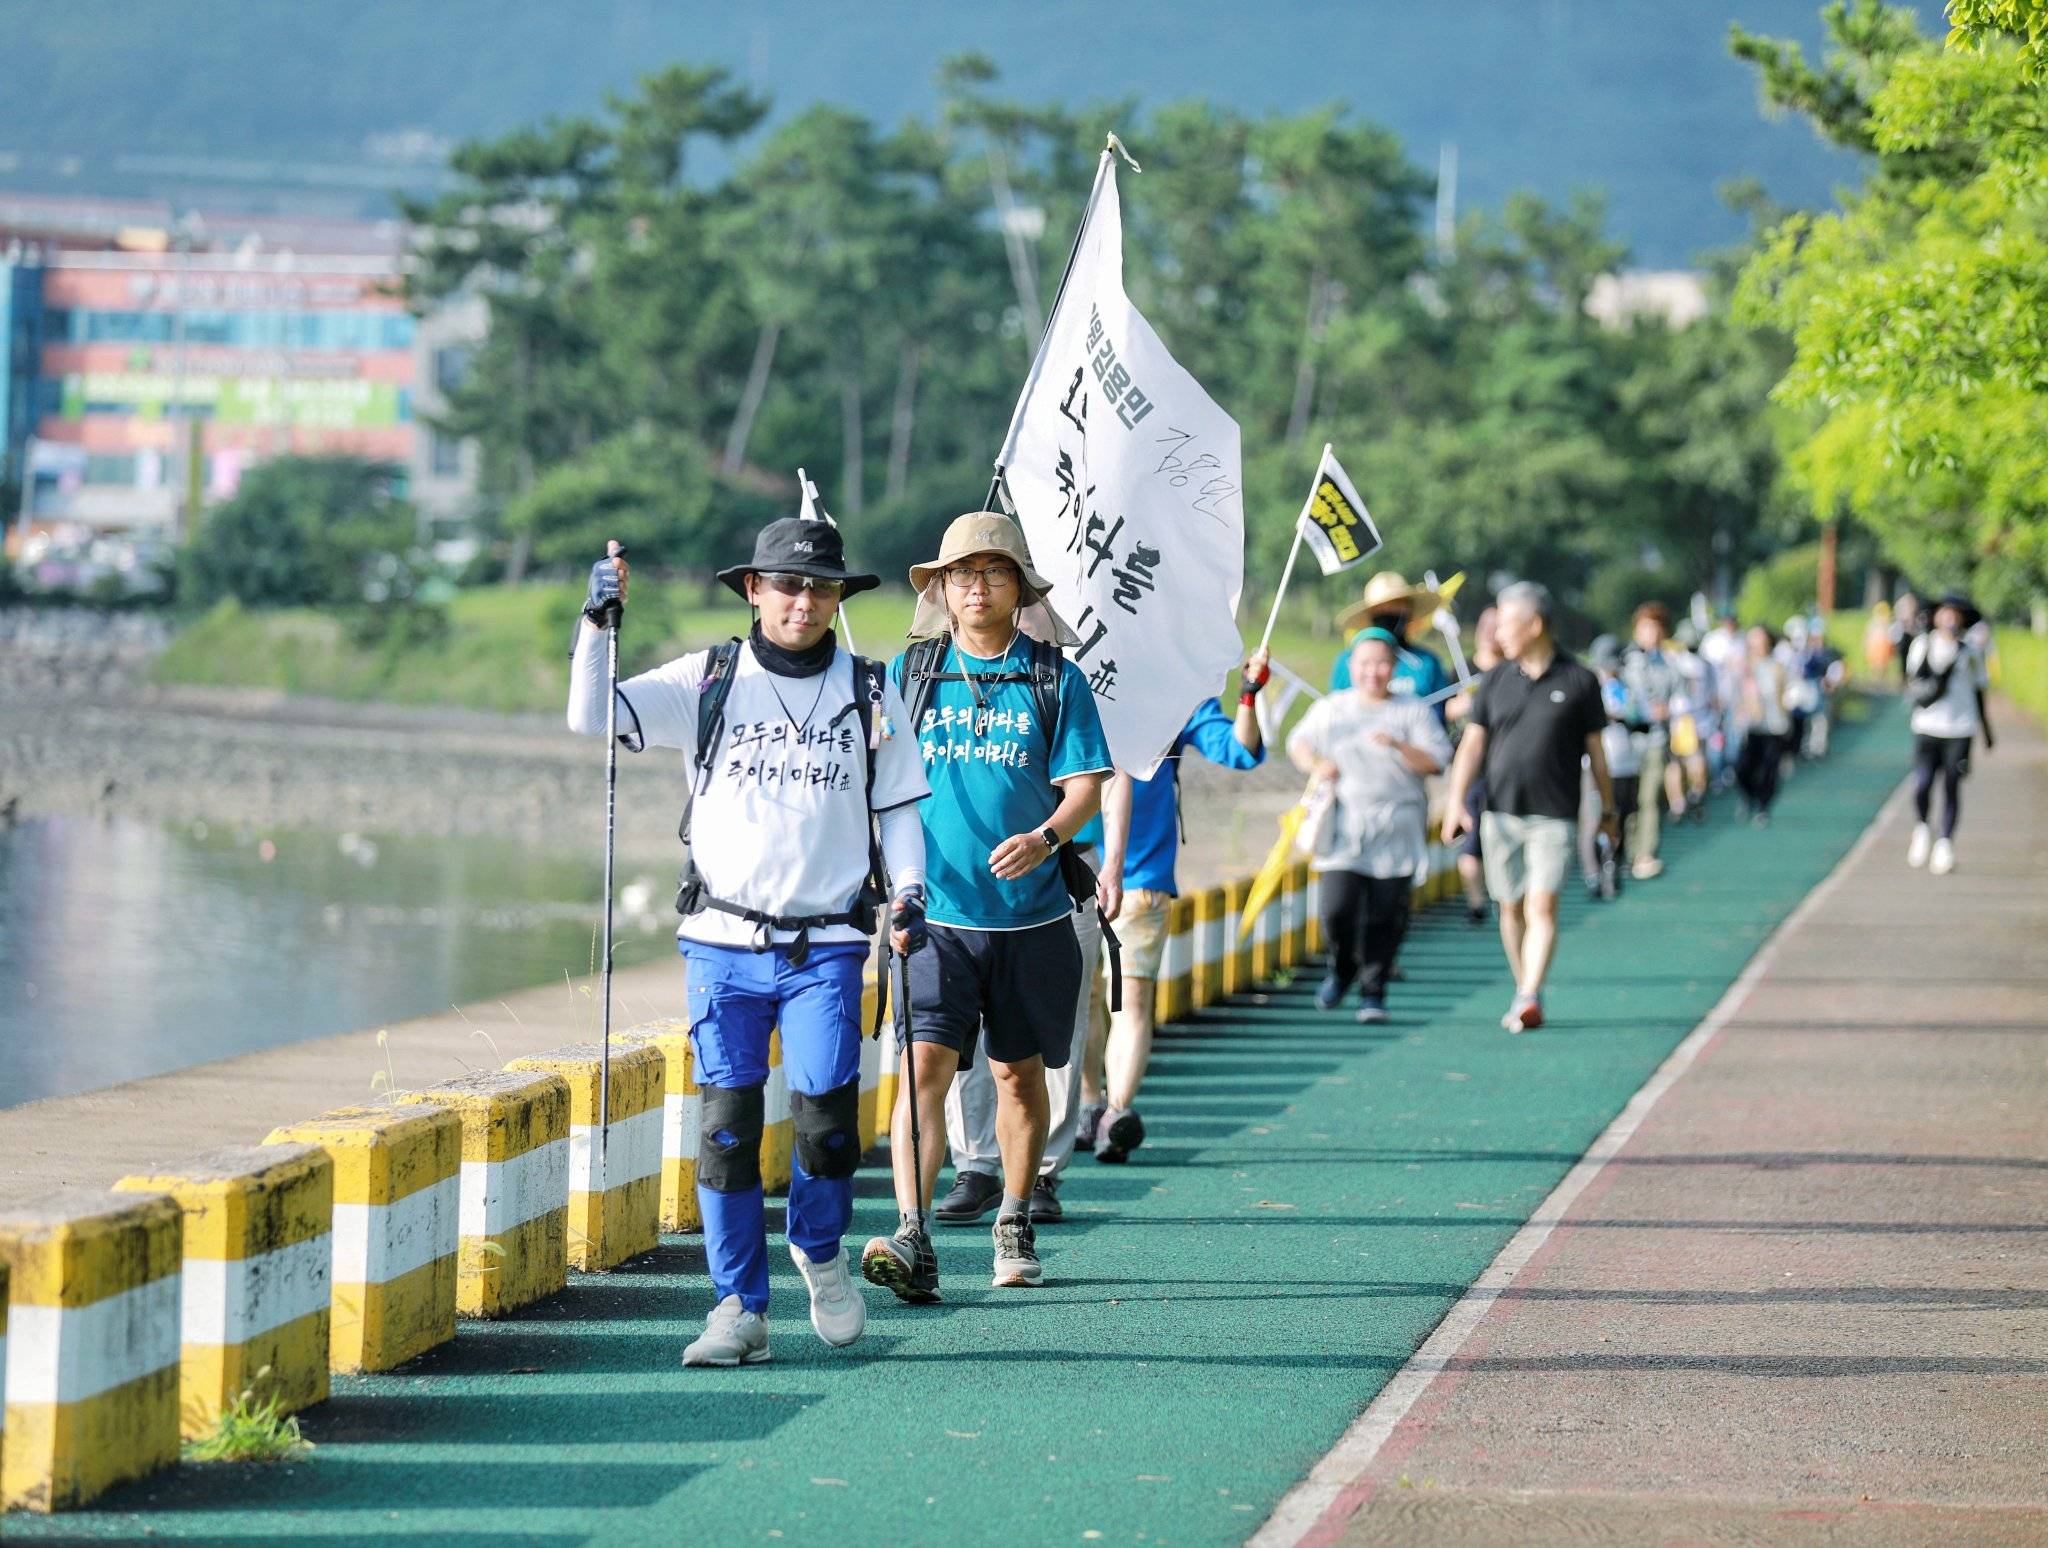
x=1302, y=1508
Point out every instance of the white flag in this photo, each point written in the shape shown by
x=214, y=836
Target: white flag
x=1126, y=480
x=1334, y=521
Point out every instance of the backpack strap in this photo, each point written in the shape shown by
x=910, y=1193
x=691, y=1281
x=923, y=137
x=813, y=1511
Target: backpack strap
x=1047, y=664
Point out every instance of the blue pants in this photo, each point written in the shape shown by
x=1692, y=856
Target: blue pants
x=737, y=996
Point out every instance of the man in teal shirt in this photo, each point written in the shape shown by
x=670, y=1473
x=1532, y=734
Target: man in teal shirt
x=1016, y=758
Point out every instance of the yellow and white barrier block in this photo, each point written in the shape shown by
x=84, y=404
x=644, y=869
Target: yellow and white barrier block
x=257, y=1276
x=397, y=1208
x=514, y=1211
x=1312, y=906
x=92, y=1345
x=778, y=1128
x=1211, y=946
x=1294, y=915
x=873, y=1055
x=682, y=1114
x=1237, y=965
x=615, y=1187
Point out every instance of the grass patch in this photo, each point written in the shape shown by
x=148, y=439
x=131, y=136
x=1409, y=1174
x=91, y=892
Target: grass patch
x=250, y=1430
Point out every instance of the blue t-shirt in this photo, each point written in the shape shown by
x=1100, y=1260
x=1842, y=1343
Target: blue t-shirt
x=1416, y=672
x=1154, y=846
x=992, y=768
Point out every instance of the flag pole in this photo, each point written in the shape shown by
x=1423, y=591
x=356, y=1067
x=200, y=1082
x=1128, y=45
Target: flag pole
x=1113, y=146
x=1279, y=596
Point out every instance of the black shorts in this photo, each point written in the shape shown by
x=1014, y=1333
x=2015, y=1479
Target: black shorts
x=1012, y=990
x=1475, y=803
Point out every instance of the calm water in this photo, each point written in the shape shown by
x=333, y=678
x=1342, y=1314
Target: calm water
x=128, y=949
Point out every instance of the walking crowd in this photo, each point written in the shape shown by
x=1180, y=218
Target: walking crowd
x=965, y=792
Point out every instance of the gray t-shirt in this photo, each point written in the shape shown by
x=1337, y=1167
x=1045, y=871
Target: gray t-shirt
x=1380, y=825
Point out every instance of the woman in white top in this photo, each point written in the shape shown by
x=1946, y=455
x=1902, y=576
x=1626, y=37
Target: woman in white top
x=1376, y=749
x=1767, y=726
x=1945, y=679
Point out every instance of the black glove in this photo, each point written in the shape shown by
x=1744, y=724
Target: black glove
x=907, y=914
x=606, y=602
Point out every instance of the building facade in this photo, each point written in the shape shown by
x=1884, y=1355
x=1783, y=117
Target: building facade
x=144, y=377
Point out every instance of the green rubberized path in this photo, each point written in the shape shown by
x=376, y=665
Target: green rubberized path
x=1314, y=1198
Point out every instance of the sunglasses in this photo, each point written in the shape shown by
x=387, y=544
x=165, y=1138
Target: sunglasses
x=790, y=585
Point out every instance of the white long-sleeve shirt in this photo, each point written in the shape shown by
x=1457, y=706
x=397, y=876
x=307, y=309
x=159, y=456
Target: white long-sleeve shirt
x=781, y=817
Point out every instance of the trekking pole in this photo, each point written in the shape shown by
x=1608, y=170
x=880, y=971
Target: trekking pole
x=613, y=613
x=899, y=983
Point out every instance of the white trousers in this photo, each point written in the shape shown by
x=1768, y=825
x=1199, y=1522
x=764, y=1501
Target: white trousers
x=971, y=1103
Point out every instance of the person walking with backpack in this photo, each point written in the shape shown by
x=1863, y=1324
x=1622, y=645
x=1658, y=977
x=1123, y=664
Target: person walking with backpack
x=1016, y=756
x=798, y=752
x=1766, y=723
x=1946, y=680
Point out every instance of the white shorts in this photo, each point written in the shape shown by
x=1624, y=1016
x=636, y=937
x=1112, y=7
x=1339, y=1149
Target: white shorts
x=1525, y=854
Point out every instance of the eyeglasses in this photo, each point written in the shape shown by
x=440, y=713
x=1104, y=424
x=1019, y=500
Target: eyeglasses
x=997, y=577
x=790, y=584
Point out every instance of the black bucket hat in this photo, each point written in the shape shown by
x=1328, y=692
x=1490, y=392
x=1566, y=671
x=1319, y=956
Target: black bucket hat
x=1962, y=604
x=794, y=546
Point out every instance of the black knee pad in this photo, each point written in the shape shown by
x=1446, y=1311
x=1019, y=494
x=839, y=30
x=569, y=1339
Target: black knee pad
x=729, y=1138
x=828, y=1130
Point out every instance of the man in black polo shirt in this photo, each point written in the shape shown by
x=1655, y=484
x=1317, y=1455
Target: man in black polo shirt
x=1534, y=718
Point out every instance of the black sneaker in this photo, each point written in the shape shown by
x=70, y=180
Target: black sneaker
x=1091, y=1120
x=1045, y=1201
x=903, y=1263
x=974, y=1195
x=1017, y=1264
x=1328, y=996
x=1122, y=1133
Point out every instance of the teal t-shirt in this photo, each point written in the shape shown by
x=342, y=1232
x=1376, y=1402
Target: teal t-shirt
x=991, y=767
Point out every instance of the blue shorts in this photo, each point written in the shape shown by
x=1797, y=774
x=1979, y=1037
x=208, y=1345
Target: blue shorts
x=1014, y=991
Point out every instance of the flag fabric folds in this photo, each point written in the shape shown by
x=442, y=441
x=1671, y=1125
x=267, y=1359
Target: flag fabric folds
x=1125, y=476
x=1334, y=521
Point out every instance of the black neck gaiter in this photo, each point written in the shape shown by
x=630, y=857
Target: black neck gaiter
x=792, y=663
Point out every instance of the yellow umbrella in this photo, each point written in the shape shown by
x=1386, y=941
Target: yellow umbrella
x=1266, y=885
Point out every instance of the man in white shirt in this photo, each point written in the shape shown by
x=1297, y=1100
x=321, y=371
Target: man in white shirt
x=797, y=750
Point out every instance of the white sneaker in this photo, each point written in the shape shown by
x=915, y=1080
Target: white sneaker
x=1944, y=859
x=1916, y=848
x=837, y=1311
x=732, y=1336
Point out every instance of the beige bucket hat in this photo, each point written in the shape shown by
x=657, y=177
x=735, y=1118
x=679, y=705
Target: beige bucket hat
x=1390, y=588
x=985, y=532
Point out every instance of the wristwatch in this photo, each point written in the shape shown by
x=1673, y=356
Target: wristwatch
x=1052, y=839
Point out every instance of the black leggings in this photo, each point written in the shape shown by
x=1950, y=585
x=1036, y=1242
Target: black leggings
x=1756, y=769
x=1364, y=919
x=1950, y=756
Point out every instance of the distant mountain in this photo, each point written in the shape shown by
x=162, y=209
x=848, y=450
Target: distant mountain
x=322, y=108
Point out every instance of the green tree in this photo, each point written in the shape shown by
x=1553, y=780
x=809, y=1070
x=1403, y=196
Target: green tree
x=1918, y=313
x=305, y=532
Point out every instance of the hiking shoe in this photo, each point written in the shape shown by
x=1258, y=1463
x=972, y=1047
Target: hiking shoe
x=1372, y=1012
x=1123, y=1131
x=1045, y=1201
x=837, y=1311
x=1525, y=1015
x=1944, y=859
x=1091, y=1120
x=974, y=1195
x=904, y=1264
x=1649, y=869
x=1918, y=846
x=732, y=1336
x=1329, y=994
x=1017, y=1264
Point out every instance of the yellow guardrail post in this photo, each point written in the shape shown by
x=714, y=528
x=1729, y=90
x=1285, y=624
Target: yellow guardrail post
x=682, y=1114
x=614, y=1201
x=258, y=1259
x=1212, y=947
x=92, y=1359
